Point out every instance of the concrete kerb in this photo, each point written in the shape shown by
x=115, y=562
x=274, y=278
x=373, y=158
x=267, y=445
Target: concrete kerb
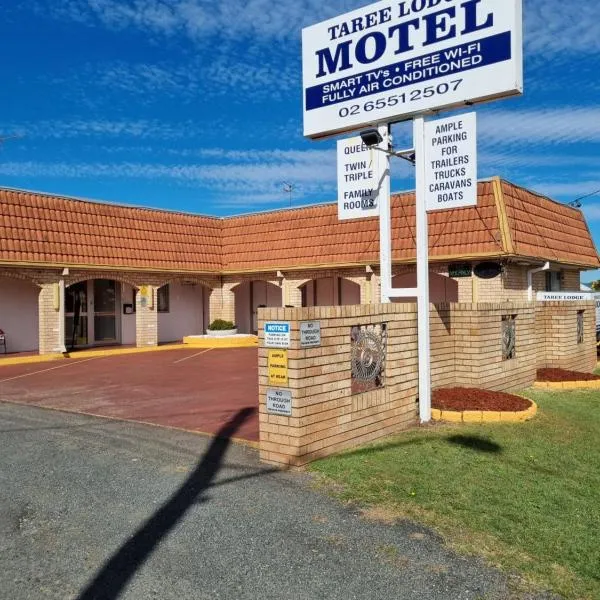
x=484, y=416
x=92, y=353
x=568, y=385
x=203, y=341
x=246, y=342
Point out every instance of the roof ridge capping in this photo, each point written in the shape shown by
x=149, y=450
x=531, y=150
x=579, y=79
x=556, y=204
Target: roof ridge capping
x=576, y=212
x=106, y=202
x=328, y=203
x=502, y=180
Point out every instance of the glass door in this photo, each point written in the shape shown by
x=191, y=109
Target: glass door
x=76, y=315
x=105, y=311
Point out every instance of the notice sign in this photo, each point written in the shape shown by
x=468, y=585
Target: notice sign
x=310, y=334
x=277, y=367
x=279, y=402
x=563, y=296
x=277, y=335
x=360, y=170
x=395, y=59
x=451, y=162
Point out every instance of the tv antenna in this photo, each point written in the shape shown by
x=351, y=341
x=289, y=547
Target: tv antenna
x=7, y=138
x=289, y=188
x=577, y=202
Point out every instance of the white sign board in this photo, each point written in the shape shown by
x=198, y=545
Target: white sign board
x=451, y=162
x=360, y=170
x=310, y=334
x=564, y=296
x=277, y=335
x=395, y=59
x=279, y=402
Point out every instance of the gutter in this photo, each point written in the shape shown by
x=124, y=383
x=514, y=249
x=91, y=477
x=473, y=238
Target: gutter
x=530, y=275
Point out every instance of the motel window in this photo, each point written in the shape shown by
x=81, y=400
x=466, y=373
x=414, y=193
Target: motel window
x=509, y=336
x=162, y=299
x=580, y=326
x=553, y=281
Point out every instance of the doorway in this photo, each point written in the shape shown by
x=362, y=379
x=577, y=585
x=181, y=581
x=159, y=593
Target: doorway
x=91, y=313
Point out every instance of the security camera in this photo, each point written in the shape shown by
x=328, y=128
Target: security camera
x=371, y=137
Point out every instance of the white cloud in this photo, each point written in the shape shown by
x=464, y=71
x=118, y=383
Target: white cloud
x=241, y=174
x=554, y=26
x=592, y=212
x=550, y=26
x=552, y=126
x=80, y=128
x=571, y=189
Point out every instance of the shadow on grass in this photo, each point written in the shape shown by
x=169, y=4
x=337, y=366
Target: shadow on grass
x=472, y=442
x=116, y=573
x=466, y=441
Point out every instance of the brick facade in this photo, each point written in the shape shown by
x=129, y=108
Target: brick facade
x=327, y=418
x=556, y=322
x=511, y=286
x=466, y=351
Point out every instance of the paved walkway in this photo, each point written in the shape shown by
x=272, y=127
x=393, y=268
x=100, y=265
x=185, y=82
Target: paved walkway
x=192, y=389
x=97, y=509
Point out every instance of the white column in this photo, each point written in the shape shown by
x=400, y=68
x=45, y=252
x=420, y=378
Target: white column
x=61, y=316
x=385, y=219
x=422, y=273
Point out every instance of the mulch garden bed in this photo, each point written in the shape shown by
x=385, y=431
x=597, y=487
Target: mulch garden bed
x=459, y=399
x=559, y=375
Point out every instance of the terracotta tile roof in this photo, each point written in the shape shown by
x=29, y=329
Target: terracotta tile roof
x=543, y=228
x=46, y=229
x=314, y=236
x=508, y=221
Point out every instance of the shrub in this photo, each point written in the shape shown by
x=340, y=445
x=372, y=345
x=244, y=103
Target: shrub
x=221, y=325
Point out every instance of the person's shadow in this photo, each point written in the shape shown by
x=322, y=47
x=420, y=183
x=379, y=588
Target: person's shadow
x=125, y=562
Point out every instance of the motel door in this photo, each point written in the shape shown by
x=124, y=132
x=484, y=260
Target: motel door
x=91, y=313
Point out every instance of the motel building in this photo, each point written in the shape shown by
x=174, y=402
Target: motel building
x=77, y=273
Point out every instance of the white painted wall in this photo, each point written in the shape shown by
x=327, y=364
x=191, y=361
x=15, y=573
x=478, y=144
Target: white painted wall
x=127, y=321
x=19, y=318
x=186, y=314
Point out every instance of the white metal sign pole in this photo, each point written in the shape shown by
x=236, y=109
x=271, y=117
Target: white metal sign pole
x=422, y=271
x=385, y=219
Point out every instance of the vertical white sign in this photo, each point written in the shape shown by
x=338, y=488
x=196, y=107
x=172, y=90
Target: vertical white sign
x=451, y=162
x=360, y=170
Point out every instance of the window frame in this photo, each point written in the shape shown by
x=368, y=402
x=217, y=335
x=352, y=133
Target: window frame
x=163, y=299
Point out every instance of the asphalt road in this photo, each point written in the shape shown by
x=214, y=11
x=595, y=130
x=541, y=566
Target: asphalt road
x=91, y=508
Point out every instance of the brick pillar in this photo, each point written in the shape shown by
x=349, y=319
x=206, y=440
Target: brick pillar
x=222, y=303
x=146, y=318
x=49, y=318
x=292, y=294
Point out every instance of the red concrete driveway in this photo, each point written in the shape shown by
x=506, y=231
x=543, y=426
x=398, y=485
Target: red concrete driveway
x=195, y=389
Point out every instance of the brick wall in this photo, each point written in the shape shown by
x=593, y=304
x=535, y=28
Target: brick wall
x=556, y=324
x=146, y=318
x=477, y=330
x=49, y=319
x=442, y=347
x=326, y=416
x=466, y=351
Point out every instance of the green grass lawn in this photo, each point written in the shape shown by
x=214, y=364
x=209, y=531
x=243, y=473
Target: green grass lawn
x=527, y=497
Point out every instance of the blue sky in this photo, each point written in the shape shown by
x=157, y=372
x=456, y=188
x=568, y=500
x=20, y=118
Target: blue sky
x=195, y=105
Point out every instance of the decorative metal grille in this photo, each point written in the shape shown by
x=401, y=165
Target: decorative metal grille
x=580, y=326
x=367, y=357
x=509, y=337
